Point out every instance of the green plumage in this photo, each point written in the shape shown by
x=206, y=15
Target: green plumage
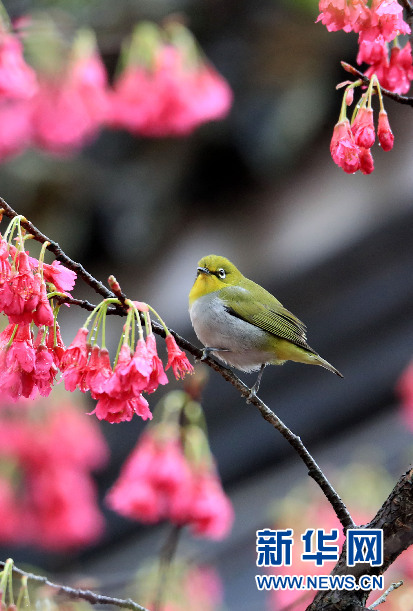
x=264, y=311
x=220, y=295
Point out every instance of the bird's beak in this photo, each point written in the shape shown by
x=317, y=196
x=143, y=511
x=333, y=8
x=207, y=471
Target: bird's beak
x=203, y=270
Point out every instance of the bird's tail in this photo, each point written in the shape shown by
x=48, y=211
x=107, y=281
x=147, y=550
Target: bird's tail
x=318, y=360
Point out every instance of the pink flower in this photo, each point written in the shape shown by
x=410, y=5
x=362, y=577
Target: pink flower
x=10, y=513
x=177, y=358
x=17, y=79
x=211, y=514
x=137, y=501
x=21, y=293
x=344, y=151
x=63, y=512
x=55, y=344
x=211, y=97
x=387, y=20
x=384, y=132
x=43, y=314
x=114, y=409
x=366, y=161
x=158, y=375
x=400, y=71
x=343, y=15
x=5, y=267
x=172, y=97
x=114, y=385
x=62, y=278
x=77, y=353
x=68, y=111
x=155, y=474
x=137, y=371
x=54, y=505
x=98, y=371
x=74, y=361
x=17, y=363
x=363, y=128
x=45, y=370
x=15, y=127
x=157, y=482
x=396, y=73
x=372, y=51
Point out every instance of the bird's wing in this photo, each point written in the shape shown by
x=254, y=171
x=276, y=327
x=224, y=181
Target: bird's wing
x=266, y=312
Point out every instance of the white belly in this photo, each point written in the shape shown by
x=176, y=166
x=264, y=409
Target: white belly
x=216, y=328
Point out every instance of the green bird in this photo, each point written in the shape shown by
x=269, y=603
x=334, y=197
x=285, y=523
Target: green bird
x=243, y=324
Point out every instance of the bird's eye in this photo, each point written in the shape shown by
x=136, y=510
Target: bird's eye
x=221, y=273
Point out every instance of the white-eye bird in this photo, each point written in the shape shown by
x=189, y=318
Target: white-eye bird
x=243, y=324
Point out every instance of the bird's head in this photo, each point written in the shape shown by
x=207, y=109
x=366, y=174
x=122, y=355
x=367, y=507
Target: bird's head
x=214, y=273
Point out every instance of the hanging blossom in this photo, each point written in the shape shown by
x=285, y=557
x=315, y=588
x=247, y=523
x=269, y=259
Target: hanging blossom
x=18, y=81
x=166, y=87
x=18, y=86
x=72, y=105
x=378, y=23
x=49, y=499
x=171, y=474
x=31, y=347
x=394, y=70
x=32, y=351
x=383, y=18
x=351, y=143
x=137, y=369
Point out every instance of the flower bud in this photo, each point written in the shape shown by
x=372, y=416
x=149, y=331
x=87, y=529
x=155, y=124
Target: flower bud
x=384, y=133
x=366, y=161
x=363, y=128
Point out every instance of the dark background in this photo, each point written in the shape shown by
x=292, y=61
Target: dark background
x=260, y=188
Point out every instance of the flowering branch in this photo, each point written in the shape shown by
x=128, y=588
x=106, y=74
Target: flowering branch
x=395, y=516
x=58, y=252
x=88, y=595
x=314, y=470
x=402, y=99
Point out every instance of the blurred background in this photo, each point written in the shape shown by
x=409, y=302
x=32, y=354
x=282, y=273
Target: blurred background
x=260, y=188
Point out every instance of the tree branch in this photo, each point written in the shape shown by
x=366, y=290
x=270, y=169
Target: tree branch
x=395, y=517
x=402, y=99
x=314, y=470
x=58, y=252
x=88, y=595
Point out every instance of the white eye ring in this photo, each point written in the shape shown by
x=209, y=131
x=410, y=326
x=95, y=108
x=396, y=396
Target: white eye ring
x=221, y=273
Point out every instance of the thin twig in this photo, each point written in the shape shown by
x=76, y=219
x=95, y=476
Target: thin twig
x=88, y=595
x=314, y=470
x=383, y=597
x=167, y=554
x=54, y=247
x=402, y=99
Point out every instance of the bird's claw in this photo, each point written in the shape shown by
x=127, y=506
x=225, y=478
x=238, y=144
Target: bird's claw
x=252, y=394
x=206, y=352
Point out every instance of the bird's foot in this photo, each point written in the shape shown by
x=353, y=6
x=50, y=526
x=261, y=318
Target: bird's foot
x=254, y=389
x=252, y=394
x=206, y=352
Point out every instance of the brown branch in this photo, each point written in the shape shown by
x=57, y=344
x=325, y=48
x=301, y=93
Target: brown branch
x=314, y=470
x=395, y=517
x=58, y=252
x=88, y=595
x=402, y=99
